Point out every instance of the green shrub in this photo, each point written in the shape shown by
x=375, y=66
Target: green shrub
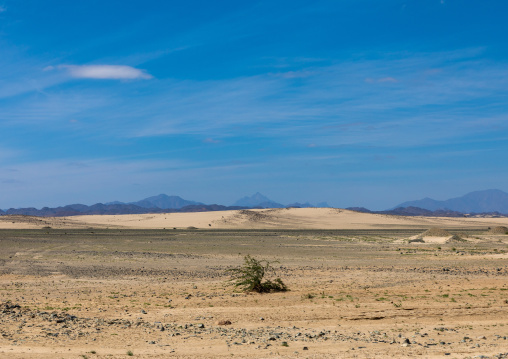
x=249, y=277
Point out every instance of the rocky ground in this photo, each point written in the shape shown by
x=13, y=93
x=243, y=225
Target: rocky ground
x=157, y=294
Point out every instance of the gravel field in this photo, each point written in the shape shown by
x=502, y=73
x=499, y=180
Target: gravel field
x=110, y=293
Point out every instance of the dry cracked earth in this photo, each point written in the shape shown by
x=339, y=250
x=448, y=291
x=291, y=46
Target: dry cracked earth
x=165, y=294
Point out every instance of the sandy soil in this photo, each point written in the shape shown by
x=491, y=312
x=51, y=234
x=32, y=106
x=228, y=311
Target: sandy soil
x=360, y=291
x=290, y=218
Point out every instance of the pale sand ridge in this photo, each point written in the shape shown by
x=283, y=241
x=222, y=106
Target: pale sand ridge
x=291, y=218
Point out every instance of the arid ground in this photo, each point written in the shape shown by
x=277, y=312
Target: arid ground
x=147, y=286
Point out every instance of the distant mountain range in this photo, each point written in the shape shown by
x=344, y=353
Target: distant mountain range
x=491, y=200
x=162, y=201
x=155, y=204
x=487, y=203
x=257, y=200
x=491, y=203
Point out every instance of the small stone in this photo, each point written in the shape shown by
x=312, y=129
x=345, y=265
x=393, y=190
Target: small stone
x=143, y=311
x=224, y=322
x=305, y=348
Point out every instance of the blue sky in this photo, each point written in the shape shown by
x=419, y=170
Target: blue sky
x=353, y=102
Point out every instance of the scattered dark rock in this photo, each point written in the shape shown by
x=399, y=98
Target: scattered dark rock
x=224, y=322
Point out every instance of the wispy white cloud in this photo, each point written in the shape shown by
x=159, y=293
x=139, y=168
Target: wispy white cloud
x=417, y=94
x=387, y=79
x=20, y=75
x=104, y=72
x=51, y=108
x=415, y=98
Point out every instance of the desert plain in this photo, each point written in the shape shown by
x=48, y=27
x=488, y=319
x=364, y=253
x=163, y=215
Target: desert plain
x=156, y=286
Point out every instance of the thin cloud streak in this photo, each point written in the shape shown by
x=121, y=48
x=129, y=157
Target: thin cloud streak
x=331, y=96
x=443, y=94
x=104, y=72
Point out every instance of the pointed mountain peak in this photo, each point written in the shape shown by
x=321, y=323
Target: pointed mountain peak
x=259, y=196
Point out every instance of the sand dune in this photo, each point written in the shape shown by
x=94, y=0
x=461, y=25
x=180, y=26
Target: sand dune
x=290, y=218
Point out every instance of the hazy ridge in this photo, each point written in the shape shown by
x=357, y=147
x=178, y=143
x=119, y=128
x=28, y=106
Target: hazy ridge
x=487, y=203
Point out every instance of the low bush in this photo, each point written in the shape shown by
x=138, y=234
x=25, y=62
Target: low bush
x=249, y=277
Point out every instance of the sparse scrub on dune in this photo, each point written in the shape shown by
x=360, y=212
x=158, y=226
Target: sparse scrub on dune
x=498, y=230
x=249, y=277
